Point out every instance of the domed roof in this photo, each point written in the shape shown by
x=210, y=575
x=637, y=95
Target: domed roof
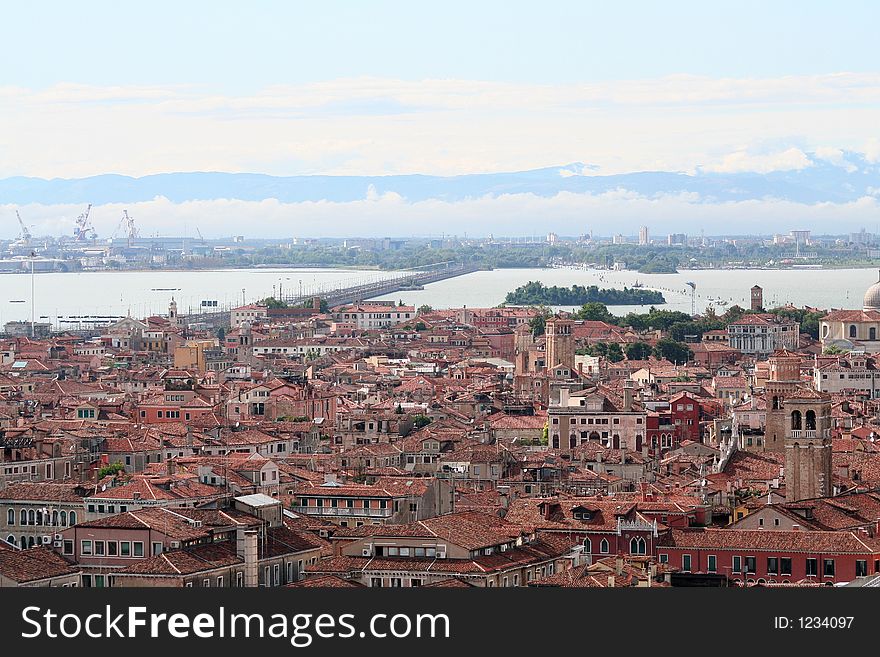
x=872, y=297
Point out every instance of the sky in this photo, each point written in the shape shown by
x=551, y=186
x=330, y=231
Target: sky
x=392, y=87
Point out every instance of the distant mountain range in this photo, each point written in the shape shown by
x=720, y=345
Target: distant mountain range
x=823, y=181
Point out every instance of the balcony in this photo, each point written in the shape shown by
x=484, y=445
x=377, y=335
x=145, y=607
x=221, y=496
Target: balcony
x=806, y=434
x=342, y=512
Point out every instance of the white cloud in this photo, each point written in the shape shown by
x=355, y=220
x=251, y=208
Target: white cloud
x=383, y=126
x=743, y=161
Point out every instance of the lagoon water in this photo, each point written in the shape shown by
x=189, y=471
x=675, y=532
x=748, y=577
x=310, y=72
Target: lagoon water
x=62, y=295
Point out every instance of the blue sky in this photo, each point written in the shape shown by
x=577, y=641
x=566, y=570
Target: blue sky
x=446, y=88
x=238, y=47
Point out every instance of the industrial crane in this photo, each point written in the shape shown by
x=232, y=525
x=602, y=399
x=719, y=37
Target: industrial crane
x=131, y=229
x=25, y=237
x=84, y=230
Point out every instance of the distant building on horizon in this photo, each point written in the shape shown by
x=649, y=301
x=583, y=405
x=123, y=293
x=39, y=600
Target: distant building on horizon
x=644, y=236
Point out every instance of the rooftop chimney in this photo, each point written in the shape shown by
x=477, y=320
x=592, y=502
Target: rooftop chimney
x=628, y=392
x=618, y=565
x=611, y=581
x=246, y=548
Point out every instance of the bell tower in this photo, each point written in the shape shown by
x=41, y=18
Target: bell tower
x=808, y=446
x=757, y=298
x=785, y=374
x=172, y=313
x=559, y=345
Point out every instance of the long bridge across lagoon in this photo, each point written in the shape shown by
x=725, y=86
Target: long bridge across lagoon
x=356, y=291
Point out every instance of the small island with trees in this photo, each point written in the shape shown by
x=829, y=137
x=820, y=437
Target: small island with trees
x=535, y=293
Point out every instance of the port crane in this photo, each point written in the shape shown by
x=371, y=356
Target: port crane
x=131, y=230
x=84, y=229
x=25, y=237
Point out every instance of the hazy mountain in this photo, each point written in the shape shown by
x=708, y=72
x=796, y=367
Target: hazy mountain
x=846, y=179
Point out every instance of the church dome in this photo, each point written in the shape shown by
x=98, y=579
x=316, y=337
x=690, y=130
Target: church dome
x=872, y=297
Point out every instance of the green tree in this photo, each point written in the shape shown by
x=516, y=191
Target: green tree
x=638, y=351
x=112, y=469
x=424, y=309
x=595, y=312
x=615, y=353
x=676, y=352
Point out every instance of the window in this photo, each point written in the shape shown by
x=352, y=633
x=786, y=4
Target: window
x=603, y=546
x=68, y=547
x=737, y=564
x=376, y=582
x=712, y=564
x=206, y=582
x=99, y=548
x=772, y=566
x=664, y=558
x=785, y=566
x=73, y=517
x=112, y=548
x=686, y=562
x=220, y=581
x=138, y=548
x=812, y=567
x=861, y=568
x=828, y=567
x=125, y=548
x=751, y=564
x=157, y=548
x=85, y=548
x=10, y=517
x=239, y=579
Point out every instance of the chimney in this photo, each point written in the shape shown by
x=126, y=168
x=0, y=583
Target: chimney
x=136, y=495
x=611, y=581
x=795, y=528
x=628, y=392
x=246, y=548
x=618, y=565
x=170, y=466
x=563, y=396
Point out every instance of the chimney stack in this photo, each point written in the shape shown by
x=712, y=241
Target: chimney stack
x=611, y=581
x=628, y=392
x=618, y=565
x=246, y=548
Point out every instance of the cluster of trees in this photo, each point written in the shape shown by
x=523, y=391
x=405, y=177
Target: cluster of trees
x=536, y=293
x=673, y=351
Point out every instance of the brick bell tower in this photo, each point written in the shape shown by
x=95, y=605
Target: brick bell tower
x=785, y=380
x=808, y=445
x=559, y=344
x=757, y=298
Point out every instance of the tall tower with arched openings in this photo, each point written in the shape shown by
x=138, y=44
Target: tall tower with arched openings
x=785, y=379
x=172, y=313
x=808, y=446
x=559, y=343
x=757, y=298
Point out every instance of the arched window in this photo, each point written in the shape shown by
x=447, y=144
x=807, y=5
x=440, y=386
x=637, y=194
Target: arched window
x=824, y=330
x=555, y=446
x=10, y=539
x=54, y=518
x=811, y=420
x=637, y=545
x=24, y=517
x=775, y=402
x=603, y=546
x=616, y=441
x=594, y=436
x=31, y=541
x=588, y=546
x=72, y=518
x=572, y=441
x=638, y=442
x=63, y=516
x=796, y=420
x=39, y=520
x=852, y=330
x=10, y=516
